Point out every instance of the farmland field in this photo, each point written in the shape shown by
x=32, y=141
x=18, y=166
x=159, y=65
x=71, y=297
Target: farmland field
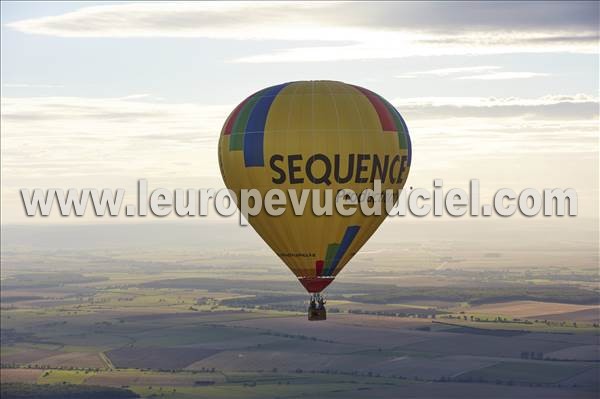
x=153, y=323
x=531, y=308
x=536, y=309
x=521, y=372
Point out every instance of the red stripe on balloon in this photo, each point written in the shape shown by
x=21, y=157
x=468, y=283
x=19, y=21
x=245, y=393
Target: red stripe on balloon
x=232, y=118
x=386, y=119
x=319, y=267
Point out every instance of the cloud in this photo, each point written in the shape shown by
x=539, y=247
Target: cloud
x=390, y=45
x=449, y=71
x=363, y=30
x=224, y=20
x=137, y=136
x=31, y=86
x=454, y=129
x=133, y=135
x=579, y=107
x=492, y=73
x=112, y=142
x=233, y=19
x=490, y=102
x=505, y=76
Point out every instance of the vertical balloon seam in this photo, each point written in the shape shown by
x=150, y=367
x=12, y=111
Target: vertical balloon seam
x=322, y=265
x=295, y=86
x=275, y=135
x=338, y=224
x=356, y=92
x=310, y=137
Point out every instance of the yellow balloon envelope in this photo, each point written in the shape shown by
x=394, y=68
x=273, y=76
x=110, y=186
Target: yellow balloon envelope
x=314, y=135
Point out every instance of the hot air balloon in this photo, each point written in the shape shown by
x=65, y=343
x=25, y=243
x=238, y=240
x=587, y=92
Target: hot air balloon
x=314, y=135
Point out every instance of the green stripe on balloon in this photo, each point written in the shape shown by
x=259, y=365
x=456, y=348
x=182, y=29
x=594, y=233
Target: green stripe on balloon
x=330, y=255
x=236, y=142
x=399, y=125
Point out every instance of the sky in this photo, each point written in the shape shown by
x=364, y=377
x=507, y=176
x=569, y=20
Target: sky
x=103, y=94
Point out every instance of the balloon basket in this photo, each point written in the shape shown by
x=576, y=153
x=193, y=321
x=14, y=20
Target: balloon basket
x=316, y=309
x=317, y=314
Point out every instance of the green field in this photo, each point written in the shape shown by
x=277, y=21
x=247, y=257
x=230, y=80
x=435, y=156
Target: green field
x=527, y=373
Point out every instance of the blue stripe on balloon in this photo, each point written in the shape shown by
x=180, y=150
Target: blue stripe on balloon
x=405, y=129
x=255, y=129
x=351, y=232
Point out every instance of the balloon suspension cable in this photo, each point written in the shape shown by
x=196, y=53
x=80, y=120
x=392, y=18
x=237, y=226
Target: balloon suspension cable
x=316, y=297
